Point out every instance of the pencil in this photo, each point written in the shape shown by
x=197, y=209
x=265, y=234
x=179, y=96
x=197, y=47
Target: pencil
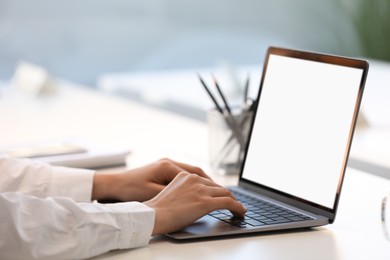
x=222, y=95
x=233, y=121
x=228, y=118
x=211, y=95
x=246, y=89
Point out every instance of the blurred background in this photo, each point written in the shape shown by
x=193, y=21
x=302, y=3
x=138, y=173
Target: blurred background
x=150, y=51
x=81, y=40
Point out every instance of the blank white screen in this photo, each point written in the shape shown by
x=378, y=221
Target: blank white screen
x=301, y=130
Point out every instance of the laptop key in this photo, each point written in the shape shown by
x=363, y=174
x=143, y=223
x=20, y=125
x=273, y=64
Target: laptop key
x=225, y=211
x=272, y=216
x=252, y=214
x=235, y=222
x=220, y=216
x=254, y=222
x=282, y=220
x=268, y=221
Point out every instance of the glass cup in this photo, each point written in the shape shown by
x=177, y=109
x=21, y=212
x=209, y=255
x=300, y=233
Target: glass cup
x=228, y=135
x=385, y=215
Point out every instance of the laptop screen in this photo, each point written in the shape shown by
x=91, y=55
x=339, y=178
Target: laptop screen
x=303, y=127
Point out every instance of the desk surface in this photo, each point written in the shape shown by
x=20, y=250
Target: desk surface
x=152, y=134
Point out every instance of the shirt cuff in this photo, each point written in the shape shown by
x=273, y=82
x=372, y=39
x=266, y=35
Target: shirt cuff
x=136, y=233
x=71, y=182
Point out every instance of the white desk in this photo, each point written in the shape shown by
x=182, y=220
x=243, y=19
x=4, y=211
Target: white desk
x=152, y=134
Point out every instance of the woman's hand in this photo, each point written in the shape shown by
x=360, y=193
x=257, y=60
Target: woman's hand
x=142, y=183
x=187, y=198
x=179, y=193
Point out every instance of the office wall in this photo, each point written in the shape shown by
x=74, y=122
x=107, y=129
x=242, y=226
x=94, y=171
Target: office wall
x=79, y=40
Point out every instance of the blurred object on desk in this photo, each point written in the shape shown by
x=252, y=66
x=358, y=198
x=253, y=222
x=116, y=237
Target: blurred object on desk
x=32, y=80
x=226, y=153
x=71, y=153
x=179, y=91
x=375, y=103
x=371, y=145
x=385, y=215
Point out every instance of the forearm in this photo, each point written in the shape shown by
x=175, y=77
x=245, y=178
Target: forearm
x=43, y=180
x=63, y=229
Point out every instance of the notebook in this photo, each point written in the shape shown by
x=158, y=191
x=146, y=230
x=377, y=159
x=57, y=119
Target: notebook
x=75, y=152
x=298, y=148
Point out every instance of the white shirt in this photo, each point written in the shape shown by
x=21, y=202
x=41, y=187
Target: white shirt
x=46, y=213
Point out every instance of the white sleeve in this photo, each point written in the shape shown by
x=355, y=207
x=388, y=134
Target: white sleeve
x=43, y=180
x=60, y=228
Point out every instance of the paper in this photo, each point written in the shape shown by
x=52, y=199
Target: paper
x=70, y=153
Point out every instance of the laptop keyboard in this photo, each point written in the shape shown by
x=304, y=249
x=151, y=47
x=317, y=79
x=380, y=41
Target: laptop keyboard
x=260, y=213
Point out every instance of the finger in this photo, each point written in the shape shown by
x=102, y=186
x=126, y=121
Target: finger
x=167, y=170
x=196, y=179
x=192, y=169
x=222, y=192
x=234, y=206
x=218, y=191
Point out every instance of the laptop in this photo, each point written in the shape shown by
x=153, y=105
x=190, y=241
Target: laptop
x=295, y=160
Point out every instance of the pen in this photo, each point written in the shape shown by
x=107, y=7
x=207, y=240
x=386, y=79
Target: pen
x=246, y=89
x=211, y=95
x=222, y=95
x=229, y=112
x=235, y=125
x=228, y=118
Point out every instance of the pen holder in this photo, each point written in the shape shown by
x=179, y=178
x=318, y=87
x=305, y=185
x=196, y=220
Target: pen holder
x=228, y=135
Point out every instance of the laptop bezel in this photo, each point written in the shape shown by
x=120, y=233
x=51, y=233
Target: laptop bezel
x=301, y=203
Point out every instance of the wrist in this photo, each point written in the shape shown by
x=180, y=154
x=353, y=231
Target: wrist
x=155, y=230
x=103, y=186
